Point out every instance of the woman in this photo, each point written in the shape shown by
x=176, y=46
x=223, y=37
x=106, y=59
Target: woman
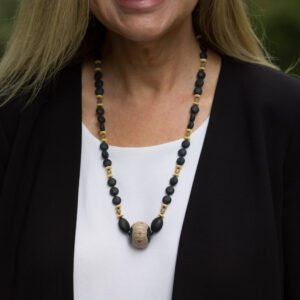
x=179, y=76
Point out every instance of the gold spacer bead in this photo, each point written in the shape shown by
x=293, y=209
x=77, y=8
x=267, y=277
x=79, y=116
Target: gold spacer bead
x=108, y=171
x=118, y=206
x=102, y=134
x=202, y=68
x=98, y=61
x=177, y=170
x=98, y=69
x=188, y=133
x=99, y=96
x=119, y=215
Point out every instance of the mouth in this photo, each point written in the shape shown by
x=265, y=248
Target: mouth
x=138, y=5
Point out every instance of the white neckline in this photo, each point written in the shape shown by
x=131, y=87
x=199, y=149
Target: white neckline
x=97, y=141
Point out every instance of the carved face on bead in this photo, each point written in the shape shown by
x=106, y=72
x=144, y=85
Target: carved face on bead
x=139, y=235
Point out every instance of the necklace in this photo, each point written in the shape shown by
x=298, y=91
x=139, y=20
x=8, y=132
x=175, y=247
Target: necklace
x=140, y=233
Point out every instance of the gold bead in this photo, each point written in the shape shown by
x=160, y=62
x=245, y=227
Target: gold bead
x=99, y=96
x=98, y=61
x=188, y=133
x=98, y=69
x=108, y=171
x=177, y=170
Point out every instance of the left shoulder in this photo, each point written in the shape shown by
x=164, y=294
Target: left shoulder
x=270, y=89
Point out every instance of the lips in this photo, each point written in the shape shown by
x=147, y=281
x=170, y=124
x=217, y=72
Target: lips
x=138, y=5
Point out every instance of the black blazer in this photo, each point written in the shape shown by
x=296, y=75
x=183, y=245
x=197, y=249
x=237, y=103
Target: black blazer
x=241, y=233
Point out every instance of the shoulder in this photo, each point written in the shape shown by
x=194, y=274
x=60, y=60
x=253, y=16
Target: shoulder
x=272, y=91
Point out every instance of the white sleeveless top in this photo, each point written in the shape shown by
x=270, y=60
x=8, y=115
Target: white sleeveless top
x=106, y=266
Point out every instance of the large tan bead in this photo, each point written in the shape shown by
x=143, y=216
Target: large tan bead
x=139, y=235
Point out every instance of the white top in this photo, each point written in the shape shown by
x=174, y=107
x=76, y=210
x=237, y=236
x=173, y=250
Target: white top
x=106, y=266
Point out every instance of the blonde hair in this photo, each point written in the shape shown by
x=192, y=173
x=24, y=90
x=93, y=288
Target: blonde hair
x=48, y=34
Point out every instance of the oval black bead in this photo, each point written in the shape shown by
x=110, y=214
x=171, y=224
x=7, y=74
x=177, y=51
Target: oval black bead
x=192, y=117
x=111, y=181
x=124, y=225
x=198, y=90
x=103, y=146
x=99, y=91
x=174, y=180
x=185, y=143
x=102, y=126
x=101, y=119
x=114, y=191
x=167, y=199
x=116, y=200
x=107, y=162
x=100, y=110
x=170, y=190
x=105, y=154
x=98, y=75
x=180, y=160
x=182, y=152
x=190, y=125
x=201, y=74
x=195, y=108
x=199, y=82
x=98, y=83
x=157, y=224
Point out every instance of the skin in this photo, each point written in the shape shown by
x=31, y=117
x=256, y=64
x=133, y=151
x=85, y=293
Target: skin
x=150, y=62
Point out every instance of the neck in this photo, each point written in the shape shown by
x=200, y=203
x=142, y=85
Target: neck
x=150, y=69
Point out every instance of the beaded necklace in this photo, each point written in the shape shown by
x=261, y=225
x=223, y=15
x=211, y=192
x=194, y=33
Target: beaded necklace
x=140, y=233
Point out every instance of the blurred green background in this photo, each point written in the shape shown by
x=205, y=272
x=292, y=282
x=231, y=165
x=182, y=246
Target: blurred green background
x=277, y=23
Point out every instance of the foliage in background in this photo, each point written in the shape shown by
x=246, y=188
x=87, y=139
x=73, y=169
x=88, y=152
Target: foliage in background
x=277, y=22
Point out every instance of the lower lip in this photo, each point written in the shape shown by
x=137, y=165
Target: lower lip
x=138, y=4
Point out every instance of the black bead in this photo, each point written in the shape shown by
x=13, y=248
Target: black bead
x=100, y=110
x=106, y=162
x=180, y=160
x=195, y=109
x=101, y=119
x=99, y=91
x=185, y=143
x=190, y=125
x=174, y=180
x=114, y=191
x=102, y=126
x=167, y=199
x=124, y=225
x=103, y=146
x=199, y=82
x=111, y=181
x=105, y=154
x=169, y=190
x=98, y=75
x=157, y=224
x=201, y=74
x=116, y=200
x=203, y=55
x=98, y=83
x=182, y=152
x=197, y=91
x=192, y=117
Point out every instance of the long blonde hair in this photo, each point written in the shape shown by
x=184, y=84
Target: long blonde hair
x=48, y=34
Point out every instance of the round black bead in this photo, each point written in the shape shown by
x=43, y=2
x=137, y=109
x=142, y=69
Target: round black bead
x=105, y=154
x=190, y=125
x=99, y=91
x=98, y=83
x=114, y=191
x=116, y=200
x=111, y=181
x=195, y=109
x=199, y=82
x=185, y=143
x=174, y=180
x=192, y=117
x=169, y=190
x=182, y=152
x=167, y=199
x=124, y=225
x=106, y=162
x=157, y=224
x=100, y=110
x=201, y=74
x=198, y=90
x=101, y=119
x=98, y=75
x=103, y=146
x=180, y=160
